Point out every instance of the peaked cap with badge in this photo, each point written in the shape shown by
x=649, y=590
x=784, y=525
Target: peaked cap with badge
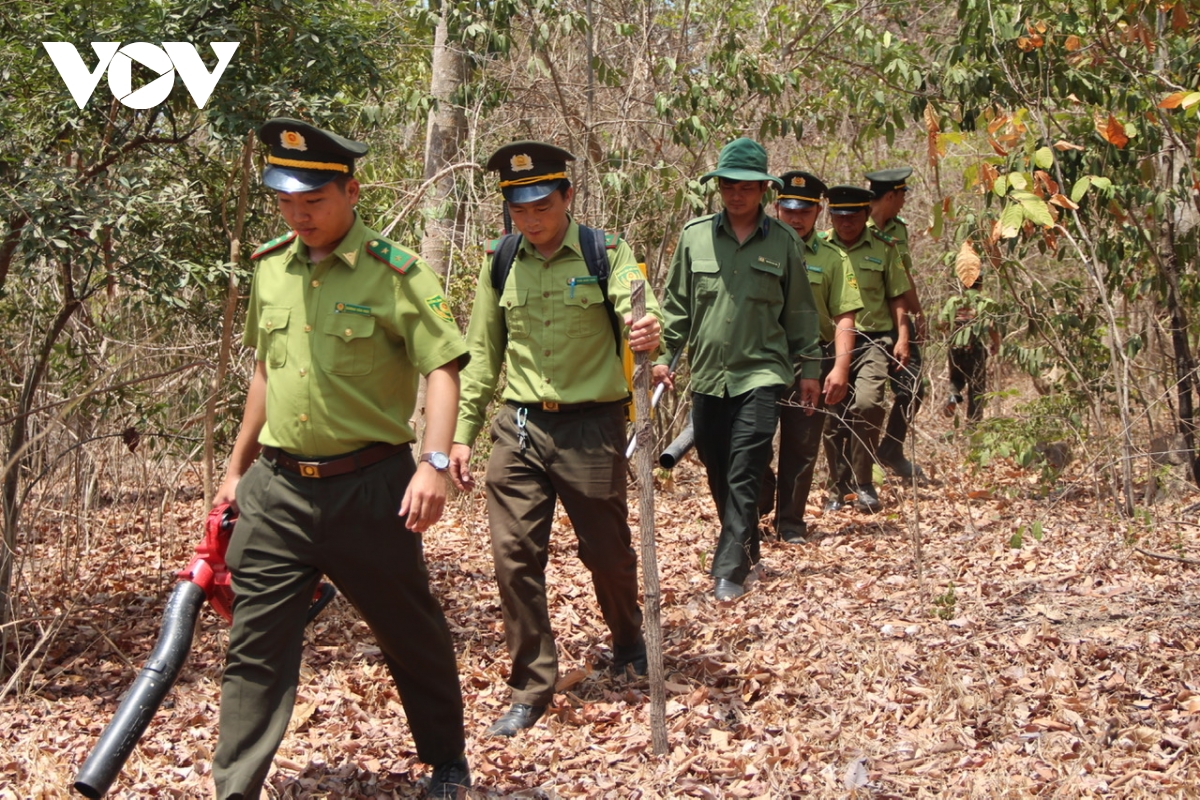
x=883, y=181
x=530, y=171
x=801, y=190
x=848, y=199
x=742, y=160
x=303, y=157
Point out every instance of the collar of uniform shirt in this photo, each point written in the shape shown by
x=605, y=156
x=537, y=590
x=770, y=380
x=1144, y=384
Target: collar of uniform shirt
x=764, y=223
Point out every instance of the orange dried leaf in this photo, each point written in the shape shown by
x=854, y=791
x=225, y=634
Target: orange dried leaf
x=1172, y=100
x=988, y=175
x=1063, y=144
x=1112, y=131
x=1062, y=201
x=979, y=494
x=967, y=265
x=996, y=146
x=1179, y=18
x=1072, y=44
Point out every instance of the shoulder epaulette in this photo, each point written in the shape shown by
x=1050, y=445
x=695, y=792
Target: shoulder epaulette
x=492, y=245
x=274, y=244
x=823, y=236
x=611, y=240
x=883, y=237
x=395, y=256
x=901, y=220
x=698, y=220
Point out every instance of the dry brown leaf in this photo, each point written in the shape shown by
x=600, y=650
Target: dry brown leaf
x=967, y=265
x=1112, y=131
x=1063, y=144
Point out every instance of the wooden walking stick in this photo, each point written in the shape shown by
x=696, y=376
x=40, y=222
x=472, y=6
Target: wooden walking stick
x=643, y=469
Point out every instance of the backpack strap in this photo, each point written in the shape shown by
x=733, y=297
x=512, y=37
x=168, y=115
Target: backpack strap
x=595, y=245
x=503, y=251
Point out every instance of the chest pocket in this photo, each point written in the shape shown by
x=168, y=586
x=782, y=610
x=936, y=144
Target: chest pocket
x=345, y=347
x=585, y=311
x=766, y=285
x=706, y=278
x=870, y=278
x=272, y=328
x=516, y=312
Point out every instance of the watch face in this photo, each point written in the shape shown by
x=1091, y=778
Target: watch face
x=438, y=461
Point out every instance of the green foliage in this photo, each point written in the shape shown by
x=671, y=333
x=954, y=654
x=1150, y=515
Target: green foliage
x=1035, y=436
x=944, y=604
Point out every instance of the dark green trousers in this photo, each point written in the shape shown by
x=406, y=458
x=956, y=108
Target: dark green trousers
x=734, y=442
x=908, y=391
x=579, y=459
x=291, y=530
x=968, y=372
x=852, y=433
x=799, y=446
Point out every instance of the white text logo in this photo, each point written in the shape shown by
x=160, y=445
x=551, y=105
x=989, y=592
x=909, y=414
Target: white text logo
x=172, y=57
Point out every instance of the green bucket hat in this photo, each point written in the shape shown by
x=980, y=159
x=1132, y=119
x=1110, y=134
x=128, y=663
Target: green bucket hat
x=742, y=160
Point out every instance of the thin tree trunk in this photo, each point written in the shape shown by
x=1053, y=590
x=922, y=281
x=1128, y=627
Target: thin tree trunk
x=231, y=302
x=652, y=597
x=15, y=454
x=444, y=135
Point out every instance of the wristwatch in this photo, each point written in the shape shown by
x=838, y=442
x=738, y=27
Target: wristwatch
x=439, y=461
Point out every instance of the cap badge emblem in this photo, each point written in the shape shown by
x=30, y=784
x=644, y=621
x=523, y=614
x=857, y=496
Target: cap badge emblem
x=292, y=140
x=798, y=181
x=521, y=162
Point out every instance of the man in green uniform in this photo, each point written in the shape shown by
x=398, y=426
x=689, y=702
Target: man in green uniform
x=890, y=187
x=341, y=322
x=561, y=432
x=738, y=299
x=837, y=300
x=853, y=435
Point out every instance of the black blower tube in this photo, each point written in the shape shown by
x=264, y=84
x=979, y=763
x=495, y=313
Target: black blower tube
x=678, y=448
x=146, y=694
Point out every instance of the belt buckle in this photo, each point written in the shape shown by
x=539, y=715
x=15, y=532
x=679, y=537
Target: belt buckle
x=309, y=469
x=549, y=405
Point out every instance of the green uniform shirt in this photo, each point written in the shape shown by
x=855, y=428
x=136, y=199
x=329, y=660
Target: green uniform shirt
x=832, y=281
x=344, y=342
x=744, y=311
x=559, y=345
x=879, y=275
x=897, y=229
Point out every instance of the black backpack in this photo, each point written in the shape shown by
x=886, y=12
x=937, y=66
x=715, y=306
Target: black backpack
x=595, y=245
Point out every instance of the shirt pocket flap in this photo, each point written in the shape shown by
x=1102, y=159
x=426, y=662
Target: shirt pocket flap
x=869, y=265
x=584, y=296
x=763, y=264
x=349, y=326
x=706, y=265
x=514, y=296
x=815, y=275
x=273, y=318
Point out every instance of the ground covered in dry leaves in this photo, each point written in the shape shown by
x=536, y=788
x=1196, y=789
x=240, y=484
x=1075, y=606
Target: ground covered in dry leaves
x=984, y=665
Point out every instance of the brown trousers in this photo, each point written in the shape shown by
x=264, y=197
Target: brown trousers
x=578, y=458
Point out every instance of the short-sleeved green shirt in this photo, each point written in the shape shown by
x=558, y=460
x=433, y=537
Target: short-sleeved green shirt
x=897, y=230
x=745, y=311
x=879, y=276
x=344, y=342
x=550, y=327
x=832, y=282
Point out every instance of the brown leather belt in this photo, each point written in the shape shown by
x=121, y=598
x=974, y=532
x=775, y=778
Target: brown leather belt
x=335, y=465
x=567, y=408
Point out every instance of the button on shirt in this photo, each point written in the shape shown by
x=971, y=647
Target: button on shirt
x=744, y=310
x=879, y=275
x=832, y=281
x=344, y=342
x=555, y=339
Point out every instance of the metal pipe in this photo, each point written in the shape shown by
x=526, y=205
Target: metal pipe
x=678, y=448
